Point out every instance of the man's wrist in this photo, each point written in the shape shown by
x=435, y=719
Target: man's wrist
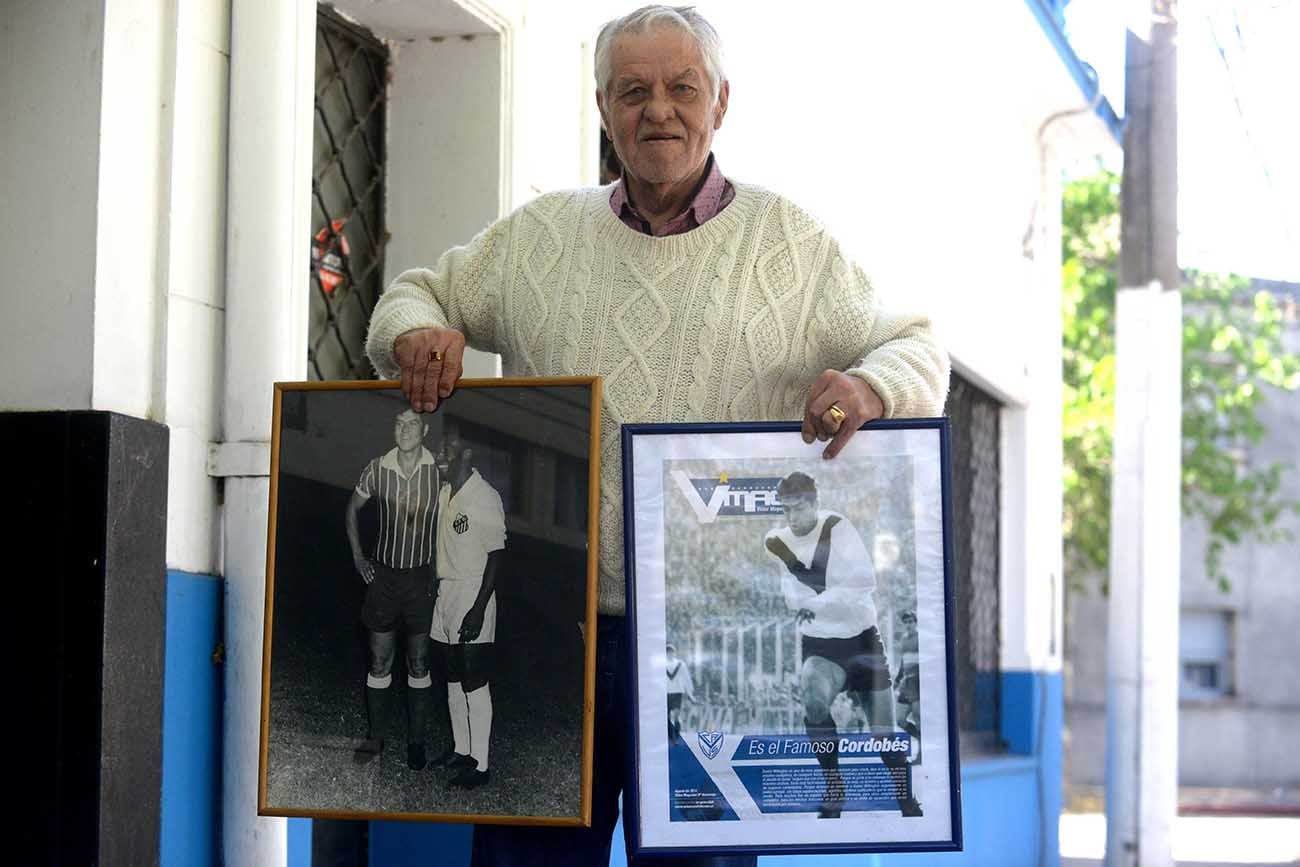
x=872, y=397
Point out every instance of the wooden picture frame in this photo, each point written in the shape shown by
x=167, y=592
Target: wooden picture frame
x=796, y=613
x=490, y=514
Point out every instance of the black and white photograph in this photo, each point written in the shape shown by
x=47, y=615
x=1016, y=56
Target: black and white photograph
x=792, y=644
x=429, y=578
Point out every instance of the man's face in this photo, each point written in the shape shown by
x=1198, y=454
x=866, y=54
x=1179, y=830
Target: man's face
x=658, y=108
x=442, y=458
x=800, y=512
x=408, y=430
x=453, y=454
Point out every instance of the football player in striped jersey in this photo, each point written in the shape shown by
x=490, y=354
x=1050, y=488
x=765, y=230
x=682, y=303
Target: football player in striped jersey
x=400, y=580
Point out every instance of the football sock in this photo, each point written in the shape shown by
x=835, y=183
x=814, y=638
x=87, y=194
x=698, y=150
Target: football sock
x=379, y=703
x=480, y=724
x=458, y=710
x=417, y=708
x=900, y=774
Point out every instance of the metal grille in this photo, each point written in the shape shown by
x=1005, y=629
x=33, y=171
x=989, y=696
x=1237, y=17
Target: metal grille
x=348, y=233
x=975, y=442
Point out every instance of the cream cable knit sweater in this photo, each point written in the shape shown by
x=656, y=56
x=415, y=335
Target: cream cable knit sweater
x=731, y=321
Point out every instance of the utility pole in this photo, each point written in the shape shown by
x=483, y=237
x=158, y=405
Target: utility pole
x=1142, y=648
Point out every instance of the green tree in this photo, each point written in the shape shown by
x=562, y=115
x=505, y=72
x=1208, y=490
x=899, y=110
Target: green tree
x=1232, y=349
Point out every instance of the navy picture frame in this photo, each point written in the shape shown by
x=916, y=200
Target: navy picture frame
x=632, y=434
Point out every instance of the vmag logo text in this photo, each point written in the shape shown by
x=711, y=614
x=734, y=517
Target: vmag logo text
x=727, y=496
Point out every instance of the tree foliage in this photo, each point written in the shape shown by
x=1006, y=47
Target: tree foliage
x=1232, y=351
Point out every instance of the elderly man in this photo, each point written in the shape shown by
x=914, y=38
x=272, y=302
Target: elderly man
x=696, y=297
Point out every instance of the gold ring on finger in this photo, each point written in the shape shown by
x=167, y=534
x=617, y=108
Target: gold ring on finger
x=837, y=414
x=436, y=355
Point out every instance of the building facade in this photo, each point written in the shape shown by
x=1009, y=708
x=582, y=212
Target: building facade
x=174, y=166
x=1237, y=711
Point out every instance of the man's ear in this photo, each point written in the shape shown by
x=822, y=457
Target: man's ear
x=724, y=94
x=600, y=107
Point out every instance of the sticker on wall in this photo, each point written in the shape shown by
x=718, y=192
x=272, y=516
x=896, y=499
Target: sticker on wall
x=329, y=252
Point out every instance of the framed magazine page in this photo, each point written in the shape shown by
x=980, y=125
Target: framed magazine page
x=792, y=649
x=428, y=579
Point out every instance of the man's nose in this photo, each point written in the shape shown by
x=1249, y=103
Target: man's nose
x=660, y=107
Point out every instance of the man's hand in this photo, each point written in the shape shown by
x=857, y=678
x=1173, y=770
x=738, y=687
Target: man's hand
x=804, y=616
x=472, y=625
x=430, y=359
x=858, y=402
x=365, y=568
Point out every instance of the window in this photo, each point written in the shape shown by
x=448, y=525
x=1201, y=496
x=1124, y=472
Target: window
x=975, y=450
x=347, y=223
x=1205, y=655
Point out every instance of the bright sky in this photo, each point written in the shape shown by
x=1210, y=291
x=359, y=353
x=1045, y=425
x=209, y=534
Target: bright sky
x=1232, y=215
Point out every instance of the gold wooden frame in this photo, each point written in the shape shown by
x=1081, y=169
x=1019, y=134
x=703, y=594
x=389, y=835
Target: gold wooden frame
x=583, y=819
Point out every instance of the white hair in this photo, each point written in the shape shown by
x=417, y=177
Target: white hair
x=648, y=18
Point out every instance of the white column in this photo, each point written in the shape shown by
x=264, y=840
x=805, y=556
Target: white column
x=1142, y=672
x=268, y=226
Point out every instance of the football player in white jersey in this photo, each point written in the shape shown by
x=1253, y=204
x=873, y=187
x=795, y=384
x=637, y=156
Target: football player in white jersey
x=471, y=543
x=827, y=582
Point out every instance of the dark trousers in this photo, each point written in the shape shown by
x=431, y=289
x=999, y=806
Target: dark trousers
x=501, y=846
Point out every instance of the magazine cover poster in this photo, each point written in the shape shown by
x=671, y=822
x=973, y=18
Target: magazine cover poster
x=790, y=645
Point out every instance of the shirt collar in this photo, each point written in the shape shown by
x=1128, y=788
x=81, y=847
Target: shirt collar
x=471, y=482
x=703, y=207
x=389, y=461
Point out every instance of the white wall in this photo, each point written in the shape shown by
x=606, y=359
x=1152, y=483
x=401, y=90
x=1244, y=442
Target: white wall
x=444, y=141
x=133, y=162
x=50, y=67
x=555, y=125
x=444, y=181
x=113, y=232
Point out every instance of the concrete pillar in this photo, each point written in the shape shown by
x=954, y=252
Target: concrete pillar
x=272, y=57
x=1142, y=676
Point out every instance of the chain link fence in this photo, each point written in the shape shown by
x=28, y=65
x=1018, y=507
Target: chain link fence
x=976, y=436
x=348, y=233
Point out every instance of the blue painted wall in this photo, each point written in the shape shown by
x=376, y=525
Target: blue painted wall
x=298, y=843
x=192, y=698
x=1010, y=805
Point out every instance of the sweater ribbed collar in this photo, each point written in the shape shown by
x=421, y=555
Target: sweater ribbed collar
x=750, y=201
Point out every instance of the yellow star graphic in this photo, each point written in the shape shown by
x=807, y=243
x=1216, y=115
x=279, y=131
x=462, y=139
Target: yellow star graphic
x=722, y=479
